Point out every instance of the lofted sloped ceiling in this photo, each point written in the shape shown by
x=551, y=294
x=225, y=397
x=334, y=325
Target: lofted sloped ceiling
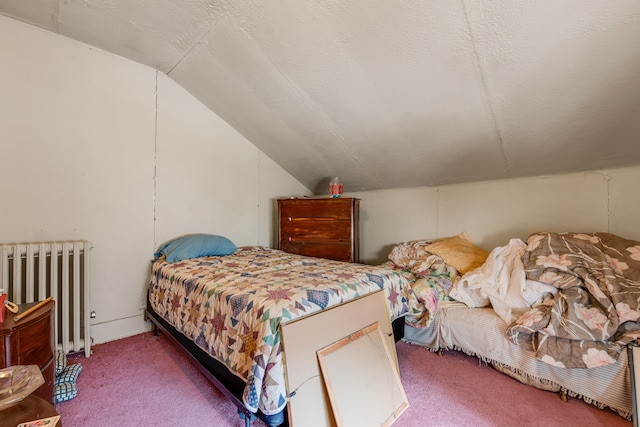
x=389, y=94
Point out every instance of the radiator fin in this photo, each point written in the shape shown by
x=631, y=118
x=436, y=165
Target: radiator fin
x=31, y=272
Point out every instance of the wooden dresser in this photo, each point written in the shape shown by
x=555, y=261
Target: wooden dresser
x=323, y=228
x=29, y=341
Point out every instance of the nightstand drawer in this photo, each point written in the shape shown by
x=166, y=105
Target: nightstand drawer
x=33, y=344
x=30, y=341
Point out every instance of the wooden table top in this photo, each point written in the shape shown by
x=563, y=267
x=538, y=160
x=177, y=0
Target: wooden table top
x=28, y=409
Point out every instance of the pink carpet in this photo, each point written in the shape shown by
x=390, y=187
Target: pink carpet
x=145, y=381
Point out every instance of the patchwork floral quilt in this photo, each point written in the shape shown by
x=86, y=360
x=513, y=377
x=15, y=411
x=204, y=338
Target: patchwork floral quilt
x=431, y=285
x=595, y=311
x=432, y=279
x=232, y=307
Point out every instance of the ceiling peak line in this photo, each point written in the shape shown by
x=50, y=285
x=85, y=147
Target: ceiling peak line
x=193, y=46
x=332, y=127
x=485, y=88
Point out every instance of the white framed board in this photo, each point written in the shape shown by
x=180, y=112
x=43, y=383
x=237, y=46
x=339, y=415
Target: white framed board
x=308, y=403
x=360, y=377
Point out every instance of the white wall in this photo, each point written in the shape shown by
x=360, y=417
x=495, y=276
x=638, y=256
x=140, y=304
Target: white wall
x=494, y=212
x=209, y=177
x=97, y=147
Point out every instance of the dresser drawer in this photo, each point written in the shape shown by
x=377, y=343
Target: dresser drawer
x=309, y=229
x=326, y=209
x=335, y=251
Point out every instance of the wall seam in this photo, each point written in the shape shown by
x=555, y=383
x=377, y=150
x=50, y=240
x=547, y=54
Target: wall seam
x=155, y=162
x=608, y=181
x=438, y=212
x=259, y=198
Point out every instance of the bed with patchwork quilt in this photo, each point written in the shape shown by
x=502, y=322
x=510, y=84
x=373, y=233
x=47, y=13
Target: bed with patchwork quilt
x=226, y=311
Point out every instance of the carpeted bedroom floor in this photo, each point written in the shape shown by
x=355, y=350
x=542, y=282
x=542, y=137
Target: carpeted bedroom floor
x=145, y=381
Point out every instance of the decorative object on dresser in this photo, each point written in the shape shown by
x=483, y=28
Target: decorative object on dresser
x=323, y=227
x=29, y=341
x=18, y=382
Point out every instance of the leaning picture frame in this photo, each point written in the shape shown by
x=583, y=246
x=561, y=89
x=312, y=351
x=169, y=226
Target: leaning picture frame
x=363, y=385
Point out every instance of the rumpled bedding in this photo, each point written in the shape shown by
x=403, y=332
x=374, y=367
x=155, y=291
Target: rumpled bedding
x=431, y=281
x=571, y=298
x=436, y=265
x=232, y=306
x=594, y=313
x=502, y=283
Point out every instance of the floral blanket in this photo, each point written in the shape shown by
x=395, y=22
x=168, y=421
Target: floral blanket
x=595, y=311
x=232, y=307
x=430, y=286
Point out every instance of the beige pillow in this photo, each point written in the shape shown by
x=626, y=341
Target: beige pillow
x=458, y=252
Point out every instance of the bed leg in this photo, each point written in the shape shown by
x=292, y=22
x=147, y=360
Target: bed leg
x=246, y=417
x=563, y=396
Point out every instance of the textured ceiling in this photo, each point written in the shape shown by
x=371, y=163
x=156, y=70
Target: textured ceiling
x=389, y=94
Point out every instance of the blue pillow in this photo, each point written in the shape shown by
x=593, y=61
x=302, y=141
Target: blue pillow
x=194, y=246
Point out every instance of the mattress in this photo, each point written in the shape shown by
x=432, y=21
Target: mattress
x=482, y=333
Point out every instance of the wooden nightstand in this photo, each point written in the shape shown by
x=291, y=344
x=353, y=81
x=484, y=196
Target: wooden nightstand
x=29, y=341
x=323, y=228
